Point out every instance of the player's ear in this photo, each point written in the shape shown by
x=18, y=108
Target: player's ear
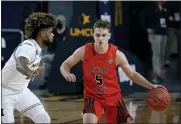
x=42, y=33
x=109, y=35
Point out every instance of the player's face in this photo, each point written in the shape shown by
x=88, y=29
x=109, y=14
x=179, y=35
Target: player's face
x=47, y=35
x=101, y=36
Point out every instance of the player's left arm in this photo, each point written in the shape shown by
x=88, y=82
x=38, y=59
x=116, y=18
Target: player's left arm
x=122, y=61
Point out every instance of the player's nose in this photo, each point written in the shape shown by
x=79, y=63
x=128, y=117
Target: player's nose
x=52, y=35
x=100, y=38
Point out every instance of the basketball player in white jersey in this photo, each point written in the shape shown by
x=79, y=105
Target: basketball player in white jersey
x=23, y=66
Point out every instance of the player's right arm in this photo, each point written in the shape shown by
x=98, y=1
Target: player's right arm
x=24, y=54
x=72, y=60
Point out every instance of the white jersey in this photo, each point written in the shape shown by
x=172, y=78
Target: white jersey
x=11, y=77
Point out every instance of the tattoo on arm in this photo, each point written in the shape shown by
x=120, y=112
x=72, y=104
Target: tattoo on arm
x=21, y=66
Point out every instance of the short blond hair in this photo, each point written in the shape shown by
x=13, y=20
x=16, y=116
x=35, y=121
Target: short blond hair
x=102, y=24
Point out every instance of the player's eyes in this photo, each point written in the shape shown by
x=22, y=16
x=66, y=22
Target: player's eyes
x=103, y=35
x=97, y=35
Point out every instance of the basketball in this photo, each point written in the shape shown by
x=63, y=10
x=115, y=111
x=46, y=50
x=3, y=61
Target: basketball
x=158, y=99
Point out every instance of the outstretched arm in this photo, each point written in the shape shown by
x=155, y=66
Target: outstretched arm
x=76, y=57
x=122, y=61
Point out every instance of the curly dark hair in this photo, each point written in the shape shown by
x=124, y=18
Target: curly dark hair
x=37, y=21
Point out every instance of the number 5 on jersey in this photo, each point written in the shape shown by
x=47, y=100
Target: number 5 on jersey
x=99, y=79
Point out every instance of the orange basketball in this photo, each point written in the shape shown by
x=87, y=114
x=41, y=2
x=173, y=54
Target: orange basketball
x=158, y=99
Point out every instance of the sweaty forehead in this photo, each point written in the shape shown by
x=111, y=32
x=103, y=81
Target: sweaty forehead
x=101, y=31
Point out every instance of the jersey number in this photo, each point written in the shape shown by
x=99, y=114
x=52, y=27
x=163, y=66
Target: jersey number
x=99, y=79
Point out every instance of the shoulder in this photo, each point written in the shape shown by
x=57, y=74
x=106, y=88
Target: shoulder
x=88, y=45
x=120, y=58
x=113, y=46
x=119, y=53
x=79, y=52
x=27, y=46
x=81, y=49
x=28, y=43
x=113, y=49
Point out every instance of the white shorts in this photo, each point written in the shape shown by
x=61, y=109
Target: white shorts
x=25, y=102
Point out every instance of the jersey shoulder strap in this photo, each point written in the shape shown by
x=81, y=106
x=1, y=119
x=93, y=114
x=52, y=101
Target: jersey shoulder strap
x=26, y=42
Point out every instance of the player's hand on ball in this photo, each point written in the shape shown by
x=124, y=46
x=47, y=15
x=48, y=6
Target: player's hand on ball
x=70, y=78
x=157, y=86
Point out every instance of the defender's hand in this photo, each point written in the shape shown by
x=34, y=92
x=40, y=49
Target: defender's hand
x=40, y=69
x=37, y=72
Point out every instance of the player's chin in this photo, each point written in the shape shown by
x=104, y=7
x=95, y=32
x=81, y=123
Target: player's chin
x=51, y=40
x=102, y=44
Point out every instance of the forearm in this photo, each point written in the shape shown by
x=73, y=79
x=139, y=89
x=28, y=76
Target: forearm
x=24, y=69
x=140, y=80
x=64, y=69
x=21, y=66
